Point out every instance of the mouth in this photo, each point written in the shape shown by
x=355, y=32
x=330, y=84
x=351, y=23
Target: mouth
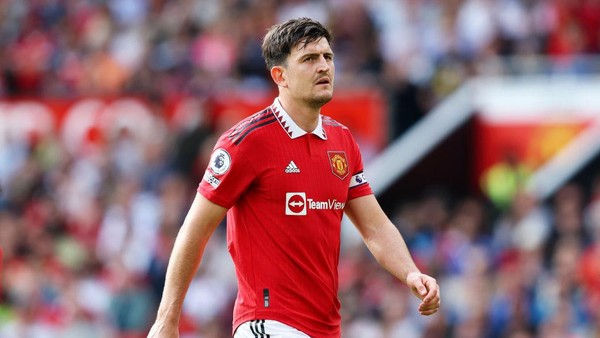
x=324, y=81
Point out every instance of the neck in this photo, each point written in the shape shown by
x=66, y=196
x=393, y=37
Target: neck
x=305, y=116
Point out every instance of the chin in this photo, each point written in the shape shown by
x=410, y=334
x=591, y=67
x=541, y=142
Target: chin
x=321, y=100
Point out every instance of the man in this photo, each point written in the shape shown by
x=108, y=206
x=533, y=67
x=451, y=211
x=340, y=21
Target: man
x=284, y=177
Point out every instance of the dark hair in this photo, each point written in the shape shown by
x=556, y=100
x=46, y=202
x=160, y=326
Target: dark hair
x=281, y=38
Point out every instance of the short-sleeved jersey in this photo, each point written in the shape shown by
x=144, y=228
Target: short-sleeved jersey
x=286, y=191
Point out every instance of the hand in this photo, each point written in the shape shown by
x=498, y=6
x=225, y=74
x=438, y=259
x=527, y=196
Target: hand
x=161, y=330
x=427, y=289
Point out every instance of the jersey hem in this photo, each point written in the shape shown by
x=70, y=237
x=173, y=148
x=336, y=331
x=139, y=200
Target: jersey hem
x=285, y=320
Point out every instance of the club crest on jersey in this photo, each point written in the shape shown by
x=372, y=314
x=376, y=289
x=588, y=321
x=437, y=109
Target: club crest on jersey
x=220, y=161
x=339, y=164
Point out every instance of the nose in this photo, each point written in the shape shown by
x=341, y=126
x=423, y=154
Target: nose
x=323, y=65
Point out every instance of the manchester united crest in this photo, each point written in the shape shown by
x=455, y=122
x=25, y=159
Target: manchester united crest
x=339, y=164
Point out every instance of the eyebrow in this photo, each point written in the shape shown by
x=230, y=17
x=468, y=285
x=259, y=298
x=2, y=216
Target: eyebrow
x=315, y=54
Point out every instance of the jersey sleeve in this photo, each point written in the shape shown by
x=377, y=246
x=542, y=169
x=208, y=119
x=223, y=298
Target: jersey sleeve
x=228, y=174
x=359, y=186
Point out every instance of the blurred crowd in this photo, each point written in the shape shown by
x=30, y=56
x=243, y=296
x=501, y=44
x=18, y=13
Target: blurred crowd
x=86, y=233
x=417, y=51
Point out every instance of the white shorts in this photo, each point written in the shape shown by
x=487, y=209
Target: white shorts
x=266, y=328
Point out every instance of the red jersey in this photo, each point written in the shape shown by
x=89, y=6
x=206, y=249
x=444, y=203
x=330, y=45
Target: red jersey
x=286, y=191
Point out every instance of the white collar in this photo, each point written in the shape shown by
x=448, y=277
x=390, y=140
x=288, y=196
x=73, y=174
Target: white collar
x=293, y=130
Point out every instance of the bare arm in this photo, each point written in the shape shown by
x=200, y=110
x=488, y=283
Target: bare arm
x=199, y=224
x=389, y=249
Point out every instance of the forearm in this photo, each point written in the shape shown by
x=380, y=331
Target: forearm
x=199, y=224
x=389, y=249
x=381, y=236
x=184, y=261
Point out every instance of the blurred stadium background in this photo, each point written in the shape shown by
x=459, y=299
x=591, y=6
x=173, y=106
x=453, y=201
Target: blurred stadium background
x=479, y=121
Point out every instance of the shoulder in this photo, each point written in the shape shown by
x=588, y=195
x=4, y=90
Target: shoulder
x=331, y=123
x=335, y=128
x=240, y=132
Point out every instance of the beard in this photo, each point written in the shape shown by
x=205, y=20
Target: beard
x=319, y=101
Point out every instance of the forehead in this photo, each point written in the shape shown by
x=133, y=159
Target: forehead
x=319, y=46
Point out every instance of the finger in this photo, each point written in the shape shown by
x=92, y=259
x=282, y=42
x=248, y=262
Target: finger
x=430, y=305
x=428, y=312
x=429, y=308
x=421, y=290
x=433, y=296
x=433, y=290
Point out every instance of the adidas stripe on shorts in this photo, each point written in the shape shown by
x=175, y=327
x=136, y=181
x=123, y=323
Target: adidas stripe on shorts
x=266, y=328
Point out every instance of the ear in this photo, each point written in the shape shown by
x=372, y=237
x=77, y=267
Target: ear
x=278, y=75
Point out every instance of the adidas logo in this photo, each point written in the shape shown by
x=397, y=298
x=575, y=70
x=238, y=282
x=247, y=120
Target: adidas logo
x=292, y=168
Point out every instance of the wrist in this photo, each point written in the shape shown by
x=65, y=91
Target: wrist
x=168, y=316
x=412, y=274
